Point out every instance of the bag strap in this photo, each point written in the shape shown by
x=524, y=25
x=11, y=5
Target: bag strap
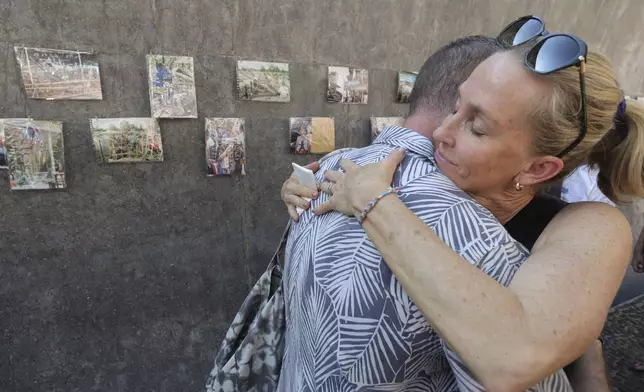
x=275, y=260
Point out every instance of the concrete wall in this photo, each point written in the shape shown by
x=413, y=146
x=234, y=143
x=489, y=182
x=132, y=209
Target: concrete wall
x=126, y=281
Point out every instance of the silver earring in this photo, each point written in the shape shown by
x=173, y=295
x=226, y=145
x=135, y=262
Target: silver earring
x=518, y=187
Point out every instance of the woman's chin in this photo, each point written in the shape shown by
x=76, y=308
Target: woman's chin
x=452, y=173
x=444, y=166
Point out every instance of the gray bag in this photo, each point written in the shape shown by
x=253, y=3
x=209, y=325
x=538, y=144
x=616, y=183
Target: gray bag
x=250, y=357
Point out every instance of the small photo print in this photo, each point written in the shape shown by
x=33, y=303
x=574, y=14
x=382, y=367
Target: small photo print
x=225, y=146
x=262, y=81
x=406, y=82
x=380, y=123
x=127, y=140
x=52, y=74
x=172, y=86
x=3, y=149
x=348, y=85
x=312, y=135
x=35, y=152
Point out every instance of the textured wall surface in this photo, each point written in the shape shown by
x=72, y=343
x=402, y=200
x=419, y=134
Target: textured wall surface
x=126, y=280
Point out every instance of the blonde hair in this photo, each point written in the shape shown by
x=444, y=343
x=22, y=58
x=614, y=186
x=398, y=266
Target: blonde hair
x=613, y=144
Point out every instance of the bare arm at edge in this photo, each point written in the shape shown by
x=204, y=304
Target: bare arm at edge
x=510, y=338
x=588, y=373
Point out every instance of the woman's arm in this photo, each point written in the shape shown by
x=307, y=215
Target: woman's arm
x=510, y=338
x=588, y=373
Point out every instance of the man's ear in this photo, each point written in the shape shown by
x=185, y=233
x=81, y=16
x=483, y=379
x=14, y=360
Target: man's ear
x=540, y=170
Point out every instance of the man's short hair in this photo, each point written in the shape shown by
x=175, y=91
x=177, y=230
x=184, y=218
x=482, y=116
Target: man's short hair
x=436, y=87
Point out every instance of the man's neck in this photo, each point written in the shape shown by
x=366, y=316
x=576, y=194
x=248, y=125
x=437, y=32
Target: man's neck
x=424, y=123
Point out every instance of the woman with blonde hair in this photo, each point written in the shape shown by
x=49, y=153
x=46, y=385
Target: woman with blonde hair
x=525, y=118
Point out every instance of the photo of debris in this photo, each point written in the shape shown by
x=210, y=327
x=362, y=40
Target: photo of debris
x=312, y=135
x=380, y=123
x=348, y=85
x=406, y=82
x=172, y=86
x=262, y=81
x=35, y=153
x=225, y=146
x=126, y=140
x=52, y=74
x=3, y=150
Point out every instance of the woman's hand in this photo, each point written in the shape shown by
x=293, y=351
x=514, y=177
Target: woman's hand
x=352, y=190
x=293, y=193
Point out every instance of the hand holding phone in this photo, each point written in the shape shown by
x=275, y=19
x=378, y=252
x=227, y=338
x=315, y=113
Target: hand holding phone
x=305, y=177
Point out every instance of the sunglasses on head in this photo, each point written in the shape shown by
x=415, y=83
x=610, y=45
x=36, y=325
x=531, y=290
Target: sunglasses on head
x=550, y=53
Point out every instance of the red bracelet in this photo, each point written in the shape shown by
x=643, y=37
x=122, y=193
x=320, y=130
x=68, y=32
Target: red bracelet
x=375, y=201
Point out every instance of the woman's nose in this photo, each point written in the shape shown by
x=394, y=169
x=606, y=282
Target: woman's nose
x=445, y=132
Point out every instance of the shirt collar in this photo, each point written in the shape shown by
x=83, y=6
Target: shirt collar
x=408, y=139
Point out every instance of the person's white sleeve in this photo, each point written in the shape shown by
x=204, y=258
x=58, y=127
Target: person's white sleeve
x=581, y=185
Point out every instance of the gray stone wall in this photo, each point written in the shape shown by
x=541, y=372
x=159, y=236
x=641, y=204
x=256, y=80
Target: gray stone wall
x=126, y=280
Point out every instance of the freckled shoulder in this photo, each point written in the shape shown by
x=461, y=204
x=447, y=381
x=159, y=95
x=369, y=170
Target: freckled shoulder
x=594, y=219
x=590, y=233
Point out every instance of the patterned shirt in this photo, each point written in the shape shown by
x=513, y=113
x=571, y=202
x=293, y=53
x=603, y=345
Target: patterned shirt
x=349, y=324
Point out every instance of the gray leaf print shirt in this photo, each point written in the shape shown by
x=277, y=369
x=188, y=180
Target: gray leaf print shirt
x=349, y=324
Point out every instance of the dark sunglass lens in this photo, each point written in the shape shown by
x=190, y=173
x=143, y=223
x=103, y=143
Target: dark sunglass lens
x=521, y=32
x=553, y=53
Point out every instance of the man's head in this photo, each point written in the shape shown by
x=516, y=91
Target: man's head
x=436, y=89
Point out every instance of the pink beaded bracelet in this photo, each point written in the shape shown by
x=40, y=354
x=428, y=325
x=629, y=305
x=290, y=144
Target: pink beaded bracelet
x=375, y=201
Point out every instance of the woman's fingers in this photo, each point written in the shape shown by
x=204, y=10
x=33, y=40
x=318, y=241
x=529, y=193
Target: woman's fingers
x=292, y=212
x=287, y=187
x=332, y=175
x=296, y=201
x=347, y=165
x=394, y=159
x=313, y=166
x=324, y=207
x=300, y=190
x=326, y=187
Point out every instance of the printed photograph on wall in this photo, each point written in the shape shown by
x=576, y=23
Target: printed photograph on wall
x=262, y=81
x=127, y=140
x=52, y=74
x=348, y=85
x=406, y=82
x=172, y=86
x=225, y=146
x=35, y=154
x=3, y=149
x=380, y=123
x=312, y=135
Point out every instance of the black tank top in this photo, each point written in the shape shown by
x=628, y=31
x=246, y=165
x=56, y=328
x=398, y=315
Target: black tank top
x=529, y=223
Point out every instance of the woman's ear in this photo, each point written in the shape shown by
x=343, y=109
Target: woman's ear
x=540, y=170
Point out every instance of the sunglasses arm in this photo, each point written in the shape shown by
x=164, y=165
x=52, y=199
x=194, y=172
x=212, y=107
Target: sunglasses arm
x=584, y=113
x=582, y=91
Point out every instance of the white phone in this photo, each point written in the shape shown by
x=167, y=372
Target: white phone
x=305, y=177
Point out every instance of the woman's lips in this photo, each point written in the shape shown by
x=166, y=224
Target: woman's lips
x=441, y=157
